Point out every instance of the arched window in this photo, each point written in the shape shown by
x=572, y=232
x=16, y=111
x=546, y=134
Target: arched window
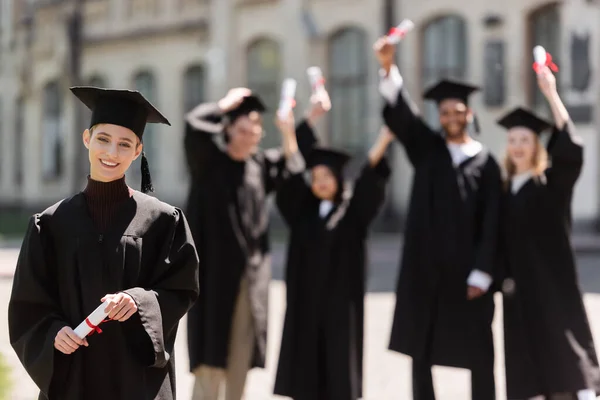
x=264, y=76
x=347, y=84
x=544, y=30
x=145, y=83
x=52, y=143
x=444, y=55
x=194, y=87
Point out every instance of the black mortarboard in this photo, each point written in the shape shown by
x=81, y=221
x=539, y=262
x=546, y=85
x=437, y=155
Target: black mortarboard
x=335, y=160
x=126, y=108
x=249, y=104
x=522, y=117
x=447, y=89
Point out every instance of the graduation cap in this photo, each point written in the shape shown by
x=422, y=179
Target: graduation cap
x=126, y=108
x=448, y=89
x=335, y=160
x=524, y=118
x=249, y=104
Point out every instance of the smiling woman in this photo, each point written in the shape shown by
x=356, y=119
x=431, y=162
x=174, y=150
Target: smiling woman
x=107, y=244
x=112, y=149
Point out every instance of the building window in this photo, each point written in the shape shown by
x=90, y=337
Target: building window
x=194, y=90
x=18, y=143
x=348, y=57
x=144, y=82
x=444, y=55
x=263, y=59
x=544, y=30
x=52, y=143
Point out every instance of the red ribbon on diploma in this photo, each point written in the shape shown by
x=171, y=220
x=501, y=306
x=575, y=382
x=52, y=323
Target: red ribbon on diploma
x=321, y=81
x=95, y=328
x=396, y=32
x=549, y=63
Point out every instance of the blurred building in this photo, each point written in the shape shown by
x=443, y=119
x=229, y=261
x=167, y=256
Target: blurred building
x=181, y=52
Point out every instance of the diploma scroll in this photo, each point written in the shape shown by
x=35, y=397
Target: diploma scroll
x=317, y=82
x=542, y=59
x=288, y=94
x=397, y=33
x=90, y=324
x=539, y=55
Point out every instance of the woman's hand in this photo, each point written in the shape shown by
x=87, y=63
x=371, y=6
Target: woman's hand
x=287, y=125
x=120, y=307
x=320, y=104
x=547, y=82
x=67, y=341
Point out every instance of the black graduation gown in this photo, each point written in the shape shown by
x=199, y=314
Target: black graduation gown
x=451, y=229
x=229, y=219
x=548, y=344
x=322, y=341
x=66, y=266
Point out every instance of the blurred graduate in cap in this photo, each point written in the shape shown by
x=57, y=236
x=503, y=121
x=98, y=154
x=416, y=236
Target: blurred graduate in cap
x=548, y=343
x=444, y=308
x=108, y=244
x=231, y=179
x=321, y=354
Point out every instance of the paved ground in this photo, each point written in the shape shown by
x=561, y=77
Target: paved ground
x=386, y=374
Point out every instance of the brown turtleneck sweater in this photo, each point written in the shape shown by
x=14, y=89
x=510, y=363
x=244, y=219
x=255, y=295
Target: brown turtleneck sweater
x=104, y=199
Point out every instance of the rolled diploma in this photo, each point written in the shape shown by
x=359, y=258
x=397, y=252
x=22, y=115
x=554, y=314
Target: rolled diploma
x=405, y=26
x=288, y=92
x=95, y=318
x=539, y=55
x=316, y=79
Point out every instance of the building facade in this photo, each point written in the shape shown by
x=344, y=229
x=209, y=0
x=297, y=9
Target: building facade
x=181, y=52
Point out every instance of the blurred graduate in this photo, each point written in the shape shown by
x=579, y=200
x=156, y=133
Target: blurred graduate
x=549, y=349
x=321, y=356
x=231, y=179
x=444, y=308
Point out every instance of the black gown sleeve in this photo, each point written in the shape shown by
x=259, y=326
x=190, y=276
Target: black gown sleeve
x=34, y=312
x=278, y=169
x=165, y=301
x=291, y=198
x=491, y=191
x=201, y=131
x=369, y=192
x=409, y=128
x=305, y=135
x=566, y=158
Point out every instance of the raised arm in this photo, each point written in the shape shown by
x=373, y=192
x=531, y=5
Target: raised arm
x=400, y=114
x=564, y=147
x=281, y=164
x=369, y=191
x=204, y=130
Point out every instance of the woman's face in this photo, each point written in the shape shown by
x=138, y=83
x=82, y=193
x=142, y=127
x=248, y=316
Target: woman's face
x=324, y=184
x=112, y=149
x=521, y=147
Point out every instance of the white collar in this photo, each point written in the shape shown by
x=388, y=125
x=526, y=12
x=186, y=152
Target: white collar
x=325, y=207
x=517, y=181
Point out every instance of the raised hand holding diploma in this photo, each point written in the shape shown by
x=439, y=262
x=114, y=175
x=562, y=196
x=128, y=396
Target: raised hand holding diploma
x=287, y=102
x=398, y=33
x=542, y=59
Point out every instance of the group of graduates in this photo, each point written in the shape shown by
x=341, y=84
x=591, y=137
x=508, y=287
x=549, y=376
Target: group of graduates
x=469, y=233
